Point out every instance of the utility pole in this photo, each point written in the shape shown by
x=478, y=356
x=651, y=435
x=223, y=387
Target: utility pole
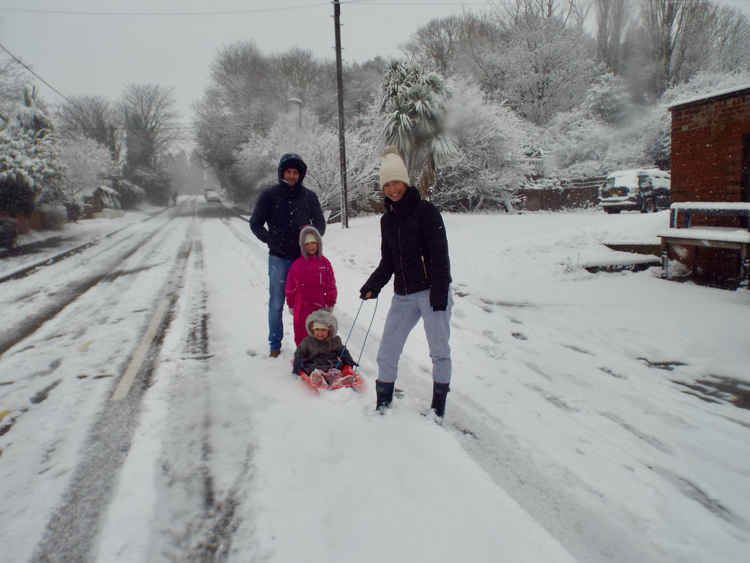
x=342, y=139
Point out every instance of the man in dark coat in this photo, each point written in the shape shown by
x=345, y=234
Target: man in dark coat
x=414, y=250
x=279, y=214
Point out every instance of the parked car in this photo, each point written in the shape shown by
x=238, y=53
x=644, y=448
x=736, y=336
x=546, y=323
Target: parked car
x=212, y=196
x=8, y=232
x=638, y=189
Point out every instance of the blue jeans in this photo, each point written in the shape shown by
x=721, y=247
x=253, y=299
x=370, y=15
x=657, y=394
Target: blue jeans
x=403, y=316
x=278, y=268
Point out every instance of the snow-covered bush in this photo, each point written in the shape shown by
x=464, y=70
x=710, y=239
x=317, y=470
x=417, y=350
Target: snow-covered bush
x=608, y=99
x=130, y=194
x=85, y=164
x=578, y=142
x=30, y=173
x=487, y=165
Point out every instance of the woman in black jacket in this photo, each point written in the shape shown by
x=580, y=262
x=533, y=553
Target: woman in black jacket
x=414, y=250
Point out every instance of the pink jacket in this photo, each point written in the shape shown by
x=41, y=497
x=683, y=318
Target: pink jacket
x=310, y=285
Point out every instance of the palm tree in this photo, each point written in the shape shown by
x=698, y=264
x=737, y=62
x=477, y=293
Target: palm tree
x=413, y=102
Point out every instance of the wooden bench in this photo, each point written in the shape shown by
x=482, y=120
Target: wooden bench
x=735, y=238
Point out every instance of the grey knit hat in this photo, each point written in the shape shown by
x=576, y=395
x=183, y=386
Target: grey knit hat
x=392, y=167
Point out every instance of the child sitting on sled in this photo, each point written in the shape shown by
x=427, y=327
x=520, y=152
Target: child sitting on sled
x=310, y=284
x=321, y=355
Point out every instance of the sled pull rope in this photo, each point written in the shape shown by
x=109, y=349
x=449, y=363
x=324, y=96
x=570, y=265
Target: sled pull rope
x=372, y=318
x=354, y=322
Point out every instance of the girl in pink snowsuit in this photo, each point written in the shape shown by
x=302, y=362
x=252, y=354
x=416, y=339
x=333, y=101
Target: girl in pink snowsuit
x=310, y=284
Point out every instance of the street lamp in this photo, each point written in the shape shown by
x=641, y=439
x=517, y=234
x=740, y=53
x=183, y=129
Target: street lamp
x=298, y=103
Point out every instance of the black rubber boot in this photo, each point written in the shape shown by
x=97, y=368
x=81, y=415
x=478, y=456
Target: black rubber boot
x=439, y=393
x=385, y=395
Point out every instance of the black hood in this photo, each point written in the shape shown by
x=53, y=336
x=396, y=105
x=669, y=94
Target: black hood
x=291, y=160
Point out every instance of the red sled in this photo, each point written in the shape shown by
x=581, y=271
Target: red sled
x=347, y=378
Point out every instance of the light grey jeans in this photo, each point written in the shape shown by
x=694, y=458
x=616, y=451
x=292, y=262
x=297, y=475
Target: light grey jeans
x=403, y=316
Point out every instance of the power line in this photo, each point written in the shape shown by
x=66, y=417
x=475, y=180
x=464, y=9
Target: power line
x=27, y=67
x=163, y=13
x=200, y=13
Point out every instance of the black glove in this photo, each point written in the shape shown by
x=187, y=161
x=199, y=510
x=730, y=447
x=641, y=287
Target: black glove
x=438, y=300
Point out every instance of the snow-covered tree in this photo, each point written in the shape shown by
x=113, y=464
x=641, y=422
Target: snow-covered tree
x=674, y=31
x=150, y=119
x=11, y=85
x=730, y=41
x=414, y=107
x=543, y=67
x=93, y=117
x=488, y=163
x=257, y=160
x=436, y=44
x=613, y=17
x=30, y=173
x=86, y=164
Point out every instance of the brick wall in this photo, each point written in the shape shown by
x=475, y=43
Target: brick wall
x=707, y=148
x=557, y=199
x=707, y=165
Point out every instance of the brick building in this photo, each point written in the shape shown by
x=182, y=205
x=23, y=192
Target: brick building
x=711, y=163
x=711, y=148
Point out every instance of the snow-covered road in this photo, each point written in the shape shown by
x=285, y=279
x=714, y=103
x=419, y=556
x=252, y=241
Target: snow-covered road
x=593, y=417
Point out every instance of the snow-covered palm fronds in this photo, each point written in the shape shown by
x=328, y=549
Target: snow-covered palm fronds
x=413, y=104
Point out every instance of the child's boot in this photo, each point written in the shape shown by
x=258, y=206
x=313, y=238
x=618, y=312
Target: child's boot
x=317, y=379
x=385, y=395
x=439, y=393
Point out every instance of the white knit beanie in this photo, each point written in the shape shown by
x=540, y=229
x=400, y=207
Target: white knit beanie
x=392, y=167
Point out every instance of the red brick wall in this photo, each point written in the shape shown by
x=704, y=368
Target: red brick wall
x=707, y=155
x=707, y=149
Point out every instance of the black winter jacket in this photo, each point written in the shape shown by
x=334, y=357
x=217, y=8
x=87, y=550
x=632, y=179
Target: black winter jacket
x=414, y=249
x=286, y=210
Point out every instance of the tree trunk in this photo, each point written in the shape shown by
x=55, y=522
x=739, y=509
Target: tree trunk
x=427, y=177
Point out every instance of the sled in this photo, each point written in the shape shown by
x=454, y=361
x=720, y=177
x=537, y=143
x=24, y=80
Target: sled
x=348, y=379
x=355, y=382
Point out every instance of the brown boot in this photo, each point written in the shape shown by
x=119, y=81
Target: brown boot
x=274, y=354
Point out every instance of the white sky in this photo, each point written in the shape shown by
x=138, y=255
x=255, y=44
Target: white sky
x=582, y=451
x=98, y=55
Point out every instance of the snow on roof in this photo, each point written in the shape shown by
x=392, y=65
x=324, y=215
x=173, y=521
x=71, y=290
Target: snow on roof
x=630, y=176
x=705, y=97
x=108, y=190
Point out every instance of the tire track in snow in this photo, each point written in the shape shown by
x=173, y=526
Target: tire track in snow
x=73, y=527
x=199, y=519
x=34, y=320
